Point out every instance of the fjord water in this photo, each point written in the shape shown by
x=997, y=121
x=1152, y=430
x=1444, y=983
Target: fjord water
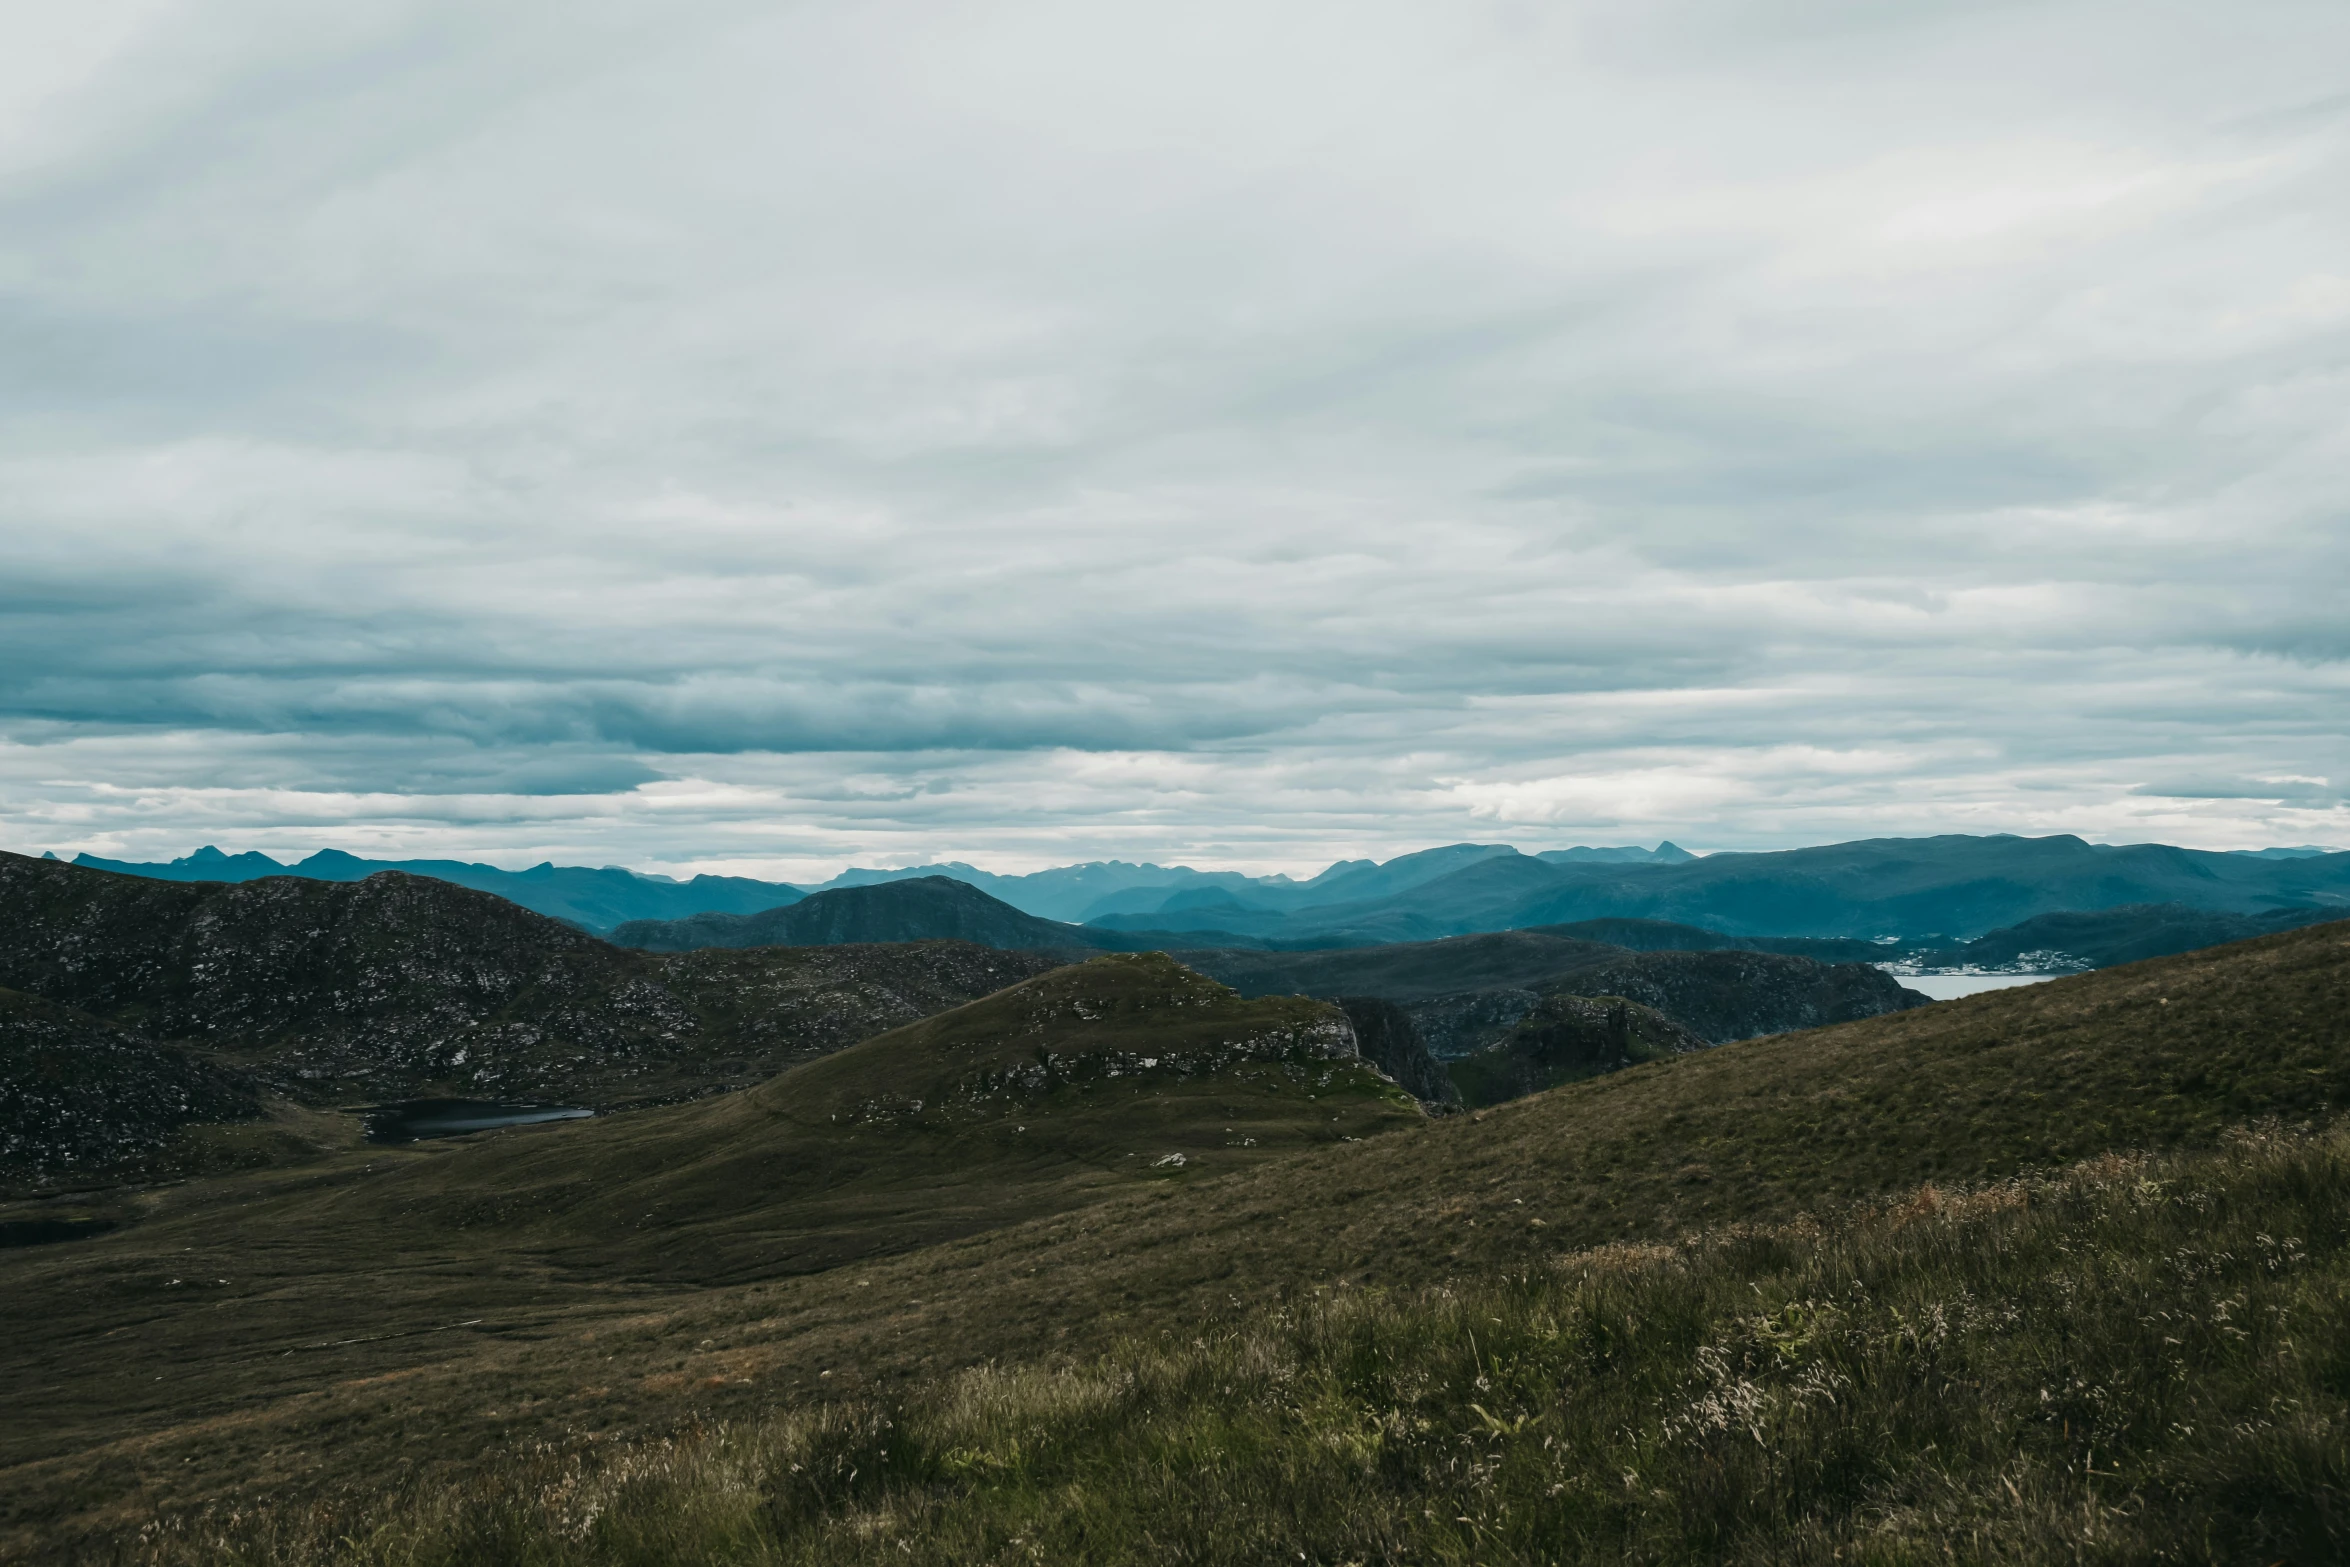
x=1949, y=987
x=422, y=1118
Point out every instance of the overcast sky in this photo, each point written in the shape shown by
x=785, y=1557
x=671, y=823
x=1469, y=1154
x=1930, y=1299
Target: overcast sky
x=768, y=437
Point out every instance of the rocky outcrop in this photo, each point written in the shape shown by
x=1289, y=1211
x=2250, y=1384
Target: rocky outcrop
x=1565, y=1038
x=1456, y=1025
x=1386, y=1037
x=78, y=1097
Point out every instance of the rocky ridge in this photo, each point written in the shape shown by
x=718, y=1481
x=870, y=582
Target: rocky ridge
x=399, y=986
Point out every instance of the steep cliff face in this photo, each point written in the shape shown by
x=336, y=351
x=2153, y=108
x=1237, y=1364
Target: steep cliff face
x=1386, y=1037
x=1565, y=1038
x=399, y=986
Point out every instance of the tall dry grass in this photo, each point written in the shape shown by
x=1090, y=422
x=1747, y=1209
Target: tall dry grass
x=2132, y=1361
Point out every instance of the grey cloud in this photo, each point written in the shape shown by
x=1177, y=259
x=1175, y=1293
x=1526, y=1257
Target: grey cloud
x=2294, y=791
x=745, y=432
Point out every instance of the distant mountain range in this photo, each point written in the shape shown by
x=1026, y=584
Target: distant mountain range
x=594, y=900
x=1941, y=890
x=1910, y=889
x=606, y=897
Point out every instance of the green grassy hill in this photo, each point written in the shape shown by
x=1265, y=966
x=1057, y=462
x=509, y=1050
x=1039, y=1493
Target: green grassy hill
x=407, y=1347
x=1052, y=1093
x=245, y=1303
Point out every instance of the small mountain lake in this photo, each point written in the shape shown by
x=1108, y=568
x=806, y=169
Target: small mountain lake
x=40, y=1232
x=422, y=1118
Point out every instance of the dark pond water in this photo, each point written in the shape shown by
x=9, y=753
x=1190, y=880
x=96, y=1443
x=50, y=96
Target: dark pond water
x=422, y=1118
x=40, y=1232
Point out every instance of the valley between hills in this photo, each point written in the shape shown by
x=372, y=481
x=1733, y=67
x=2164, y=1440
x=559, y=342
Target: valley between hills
x=1517, y=1246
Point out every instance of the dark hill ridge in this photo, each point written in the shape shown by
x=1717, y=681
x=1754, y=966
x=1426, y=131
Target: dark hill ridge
x=1665, y=936
x=1722, y=996
x=925, y=908
x=1404, y=971
x=1466, y=993
x=2057, y=943
x=2073, y=940
x=401, y=987
x=597, y=899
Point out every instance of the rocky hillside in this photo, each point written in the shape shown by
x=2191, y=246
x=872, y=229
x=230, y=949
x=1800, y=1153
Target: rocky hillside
x=398, y=986
x=1403, y=971
x=1466, y=993
x=1721, y=996
x=925, y=908
x=1564, y=1039
x=78, y=1096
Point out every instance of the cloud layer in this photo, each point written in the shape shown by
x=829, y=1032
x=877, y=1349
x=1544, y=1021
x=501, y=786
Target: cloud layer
x=746, y=437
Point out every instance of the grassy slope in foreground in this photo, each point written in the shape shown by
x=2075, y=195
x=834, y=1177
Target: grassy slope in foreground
x=2168, y=1052
x=2136, y=1361
x=254, y=1308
